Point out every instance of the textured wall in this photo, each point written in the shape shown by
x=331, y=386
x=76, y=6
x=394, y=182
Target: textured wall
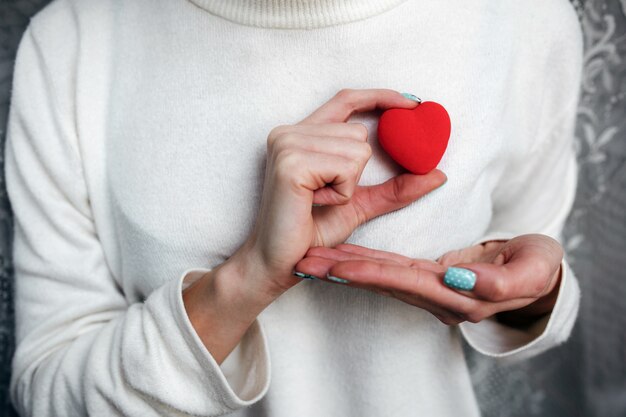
x=585, y=377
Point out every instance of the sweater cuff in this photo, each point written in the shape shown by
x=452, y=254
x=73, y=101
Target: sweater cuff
x=244, y=376
x=510, y=344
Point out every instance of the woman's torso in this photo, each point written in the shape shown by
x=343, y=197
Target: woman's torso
x=175, y=165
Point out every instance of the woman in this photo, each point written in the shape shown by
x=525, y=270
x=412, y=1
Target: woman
x=158, y=224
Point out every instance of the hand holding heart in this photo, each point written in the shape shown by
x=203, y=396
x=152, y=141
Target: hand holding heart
x=319, y=161
x=516, y=279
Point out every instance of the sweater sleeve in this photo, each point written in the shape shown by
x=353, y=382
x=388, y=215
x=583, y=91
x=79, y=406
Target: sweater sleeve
x=81, y=347
x=536, y=195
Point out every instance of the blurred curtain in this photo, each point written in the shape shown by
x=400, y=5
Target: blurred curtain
x=586, y=376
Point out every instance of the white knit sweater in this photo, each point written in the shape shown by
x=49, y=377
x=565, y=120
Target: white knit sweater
x=134, y=158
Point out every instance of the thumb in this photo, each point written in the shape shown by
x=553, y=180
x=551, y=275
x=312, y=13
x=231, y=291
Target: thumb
x=530, y=270
x=395, y=193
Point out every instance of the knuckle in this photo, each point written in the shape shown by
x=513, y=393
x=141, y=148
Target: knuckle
x=286, y=142
x=347, y=98
x=345, y=94
x=367, y=151
x=542, y=267
x=498, y=290
x=343, y=246
x=418, y=276
x=271, y=140
x=344, y=197
x=352, y=169
x=542, y=271
x=464, y=310
x=288, y=162
x=361, y=131
x=316, y=251
x=470, y=311
x=275, y=133
x=474, y=317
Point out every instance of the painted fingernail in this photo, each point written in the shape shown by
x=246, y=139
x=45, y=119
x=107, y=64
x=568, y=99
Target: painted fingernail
x=460, y=278
x=304, y=276
x=412, y=97
x=337, y=279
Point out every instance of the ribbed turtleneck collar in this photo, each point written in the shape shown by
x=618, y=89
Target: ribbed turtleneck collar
x=295, y=14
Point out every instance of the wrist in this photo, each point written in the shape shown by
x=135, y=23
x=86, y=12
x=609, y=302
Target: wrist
x=264, y=275
x=242, y=280
x=221, y=306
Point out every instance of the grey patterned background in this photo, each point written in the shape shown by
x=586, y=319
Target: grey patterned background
x=585, y=377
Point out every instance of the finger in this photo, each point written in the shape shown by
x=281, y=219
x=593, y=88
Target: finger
x=315, y=266
x=395, y=193
x=387, y=276
x=347, y=102
x=415, y=286
x=318, y=260
x=339, y=255
x=392, y=279
x=360, y=253
x=331, y=178
x=529, y=271
x=382, y=255
x=340, y=146
x=470, y=254
x=356, y=131
x=458, y=310
x=374, y=253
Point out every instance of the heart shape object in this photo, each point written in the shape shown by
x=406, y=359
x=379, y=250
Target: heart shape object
x=415, y=138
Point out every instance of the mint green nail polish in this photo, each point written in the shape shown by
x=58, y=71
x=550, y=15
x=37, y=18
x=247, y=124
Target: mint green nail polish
x=337, y=279
x=412, y=97
x=460, y=278
x=304, y=276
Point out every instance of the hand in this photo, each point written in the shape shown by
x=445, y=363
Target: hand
x=518, y=277
x=546, y=257
x=319, y=161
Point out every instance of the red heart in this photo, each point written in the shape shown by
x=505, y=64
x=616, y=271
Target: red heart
x=415, y=138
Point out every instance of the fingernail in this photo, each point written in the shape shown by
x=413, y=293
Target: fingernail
x=442, y=184
x=337, y=279
x=412, y=97
x=460, y=278
x=304, y=276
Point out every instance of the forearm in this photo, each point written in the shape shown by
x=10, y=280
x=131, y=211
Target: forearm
x=146, y=356
x=223, y=303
